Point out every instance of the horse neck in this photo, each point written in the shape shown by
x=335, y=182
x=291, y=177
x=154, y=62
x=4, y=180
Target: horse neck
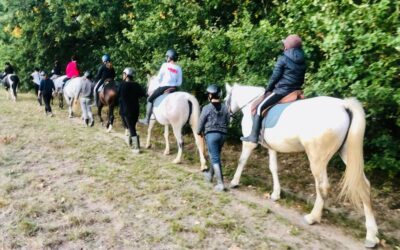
x=244, y=95
x=152, y=85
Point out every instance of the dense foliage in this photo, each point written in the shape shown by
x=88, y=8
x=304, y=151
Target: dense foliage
x=352, y=47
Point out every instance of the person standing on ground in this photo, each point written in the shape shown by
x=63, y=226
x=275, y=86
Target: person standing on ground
x=86, y=94
x=36, y=78
x=46, y=90
x=214, y=122
x=129, y=94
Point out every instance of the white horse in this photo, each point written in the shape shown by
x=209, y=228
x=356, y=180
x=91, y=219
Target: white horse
x=320, y=126
x=176, y=109
x=71, y=92
x=58, y=83
x=11, y=82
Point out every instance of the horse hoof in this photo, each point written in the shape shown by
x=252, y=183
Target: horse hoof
x=234, y=185
x=148, y=146
x=275, y=197
x=176, y=161
x=166, y=152
x=371, y=244
x=309, y=220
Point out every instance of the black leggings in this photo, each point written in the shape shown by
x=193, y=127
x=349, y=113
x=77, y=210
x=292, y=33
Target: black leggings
x=159, y=92
x=130, y=123
x=47, y=98
x=268, y=101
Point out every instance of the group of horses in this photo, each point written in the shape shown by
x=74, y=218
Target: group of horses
x=319, y=126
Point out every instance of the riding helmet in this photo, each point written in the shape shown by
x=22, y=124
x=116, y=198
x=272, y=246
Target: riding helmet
x=105, y=58
x=129, y=71
x=43, y=73
x=214, y=90
x=171, y=55
x=292, y=41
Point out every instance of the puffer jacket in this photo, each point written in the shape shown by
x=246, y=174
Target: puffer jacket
x=214, y=118
x=289, y=71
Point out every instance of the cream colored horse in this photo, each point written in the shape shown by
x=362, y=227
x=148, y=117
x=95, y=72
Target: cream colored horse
x=175, y=110
x=320, y=126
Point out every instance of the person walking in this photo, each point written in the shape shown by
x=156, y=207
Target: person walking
x=46, y=90
x=129, y=93
x=86, y=94
x=214, y=122
x=36, y=78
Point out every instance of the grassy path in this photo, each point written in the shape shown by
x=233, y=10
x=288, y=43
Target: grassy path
x=69, y=187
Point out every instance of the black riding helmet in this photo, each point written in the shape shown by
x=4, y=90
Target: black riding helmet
x=214, y=90
x=171, y=55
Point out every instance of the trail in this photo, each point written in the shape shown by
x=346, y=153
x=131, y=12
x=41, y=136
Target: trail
x=66, y=186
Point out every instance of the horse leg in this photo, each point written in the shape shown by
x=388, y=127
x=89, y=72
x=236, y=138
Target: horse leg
x=273, y=167
x=201, y=148
x=70, y=108
x=149, y=129
x=60, y=100
x=99, y=108
x=14, y=92
x=166, y=137
x=247, y=148
x=110, y=118
x=318, y=169
x=179, y=139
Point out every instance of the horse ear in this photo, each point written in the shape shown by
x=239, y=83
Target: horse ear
x=228, y=87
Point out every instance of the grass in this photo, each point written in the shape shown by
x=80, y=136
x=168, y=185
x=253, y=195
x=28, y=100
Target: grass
x=66, y=186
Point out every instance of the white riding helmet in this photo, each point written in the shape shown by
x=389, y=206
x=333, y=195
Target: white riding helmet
x=129, y=71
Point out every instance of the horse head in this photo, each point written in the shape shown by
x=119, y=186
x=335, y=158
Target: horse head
x=152, y=84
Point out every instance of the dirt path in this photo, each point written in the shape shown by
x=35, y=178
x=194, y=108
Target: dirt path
x=65, y=186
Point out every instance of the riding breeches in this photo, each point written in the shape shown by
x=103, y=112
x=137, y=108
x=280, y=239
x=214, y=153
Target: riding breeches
x=270, y=100
x=159, y=91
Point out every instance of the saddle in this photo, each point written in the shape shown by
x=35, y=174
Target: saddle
x=293, y=96
x=170, y=90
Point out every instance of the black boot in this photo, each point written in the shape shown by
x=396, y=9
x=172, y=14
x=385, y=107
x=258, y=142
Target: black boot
x=209, y=174
x=220, y=178
x=149, y=111
x=135, y=144
x=255, y=130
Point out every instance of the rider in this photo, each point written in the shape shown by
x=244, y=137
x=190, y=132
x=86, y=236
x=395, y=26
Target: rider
x=7, y=70
x=56, y=71
x=105, y=71
x=72, y=69
x=169, y=76
x=288, y=76
x=214, y=121
x=129, y=94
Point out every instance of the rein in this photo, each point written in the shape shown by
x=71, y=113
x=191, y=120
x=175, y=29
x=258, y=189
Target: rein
x=228, y=103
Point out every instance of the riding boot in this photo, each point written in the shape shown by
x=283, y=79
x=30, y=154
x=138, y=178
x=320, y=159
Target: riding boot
x=209, y=174
x=128, y=140
x=220, y=178
x=255, y=130
x=135, y=144
x=149, y=111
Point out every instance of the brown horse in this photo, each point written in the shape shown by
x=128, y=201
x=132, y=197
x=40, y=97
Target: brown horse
x=108, y=97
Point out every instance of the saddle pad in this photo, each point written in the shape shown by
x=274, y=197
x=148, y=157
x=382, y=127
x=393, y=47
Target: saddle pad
x=158, y=100
x=273, y=115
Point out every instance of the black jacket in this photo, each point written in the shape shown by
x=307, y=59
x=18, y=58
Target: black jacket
x=47, y=86
x=289, y=71
x=129, y=94
x=104, y=73
x=9, y=70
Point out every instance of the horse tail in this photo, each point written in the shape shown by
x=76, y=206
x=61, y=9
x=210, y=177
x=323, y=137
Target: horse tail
x=354, y=185
x=194, y=120
x=195, y=111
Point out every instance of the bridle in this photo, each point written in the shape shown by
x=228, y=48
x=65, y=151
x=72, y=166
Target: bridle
x=229, y=100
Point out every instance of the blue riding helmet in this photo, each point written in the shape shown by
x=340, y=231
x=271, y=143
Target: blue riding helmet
x=105, y=58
